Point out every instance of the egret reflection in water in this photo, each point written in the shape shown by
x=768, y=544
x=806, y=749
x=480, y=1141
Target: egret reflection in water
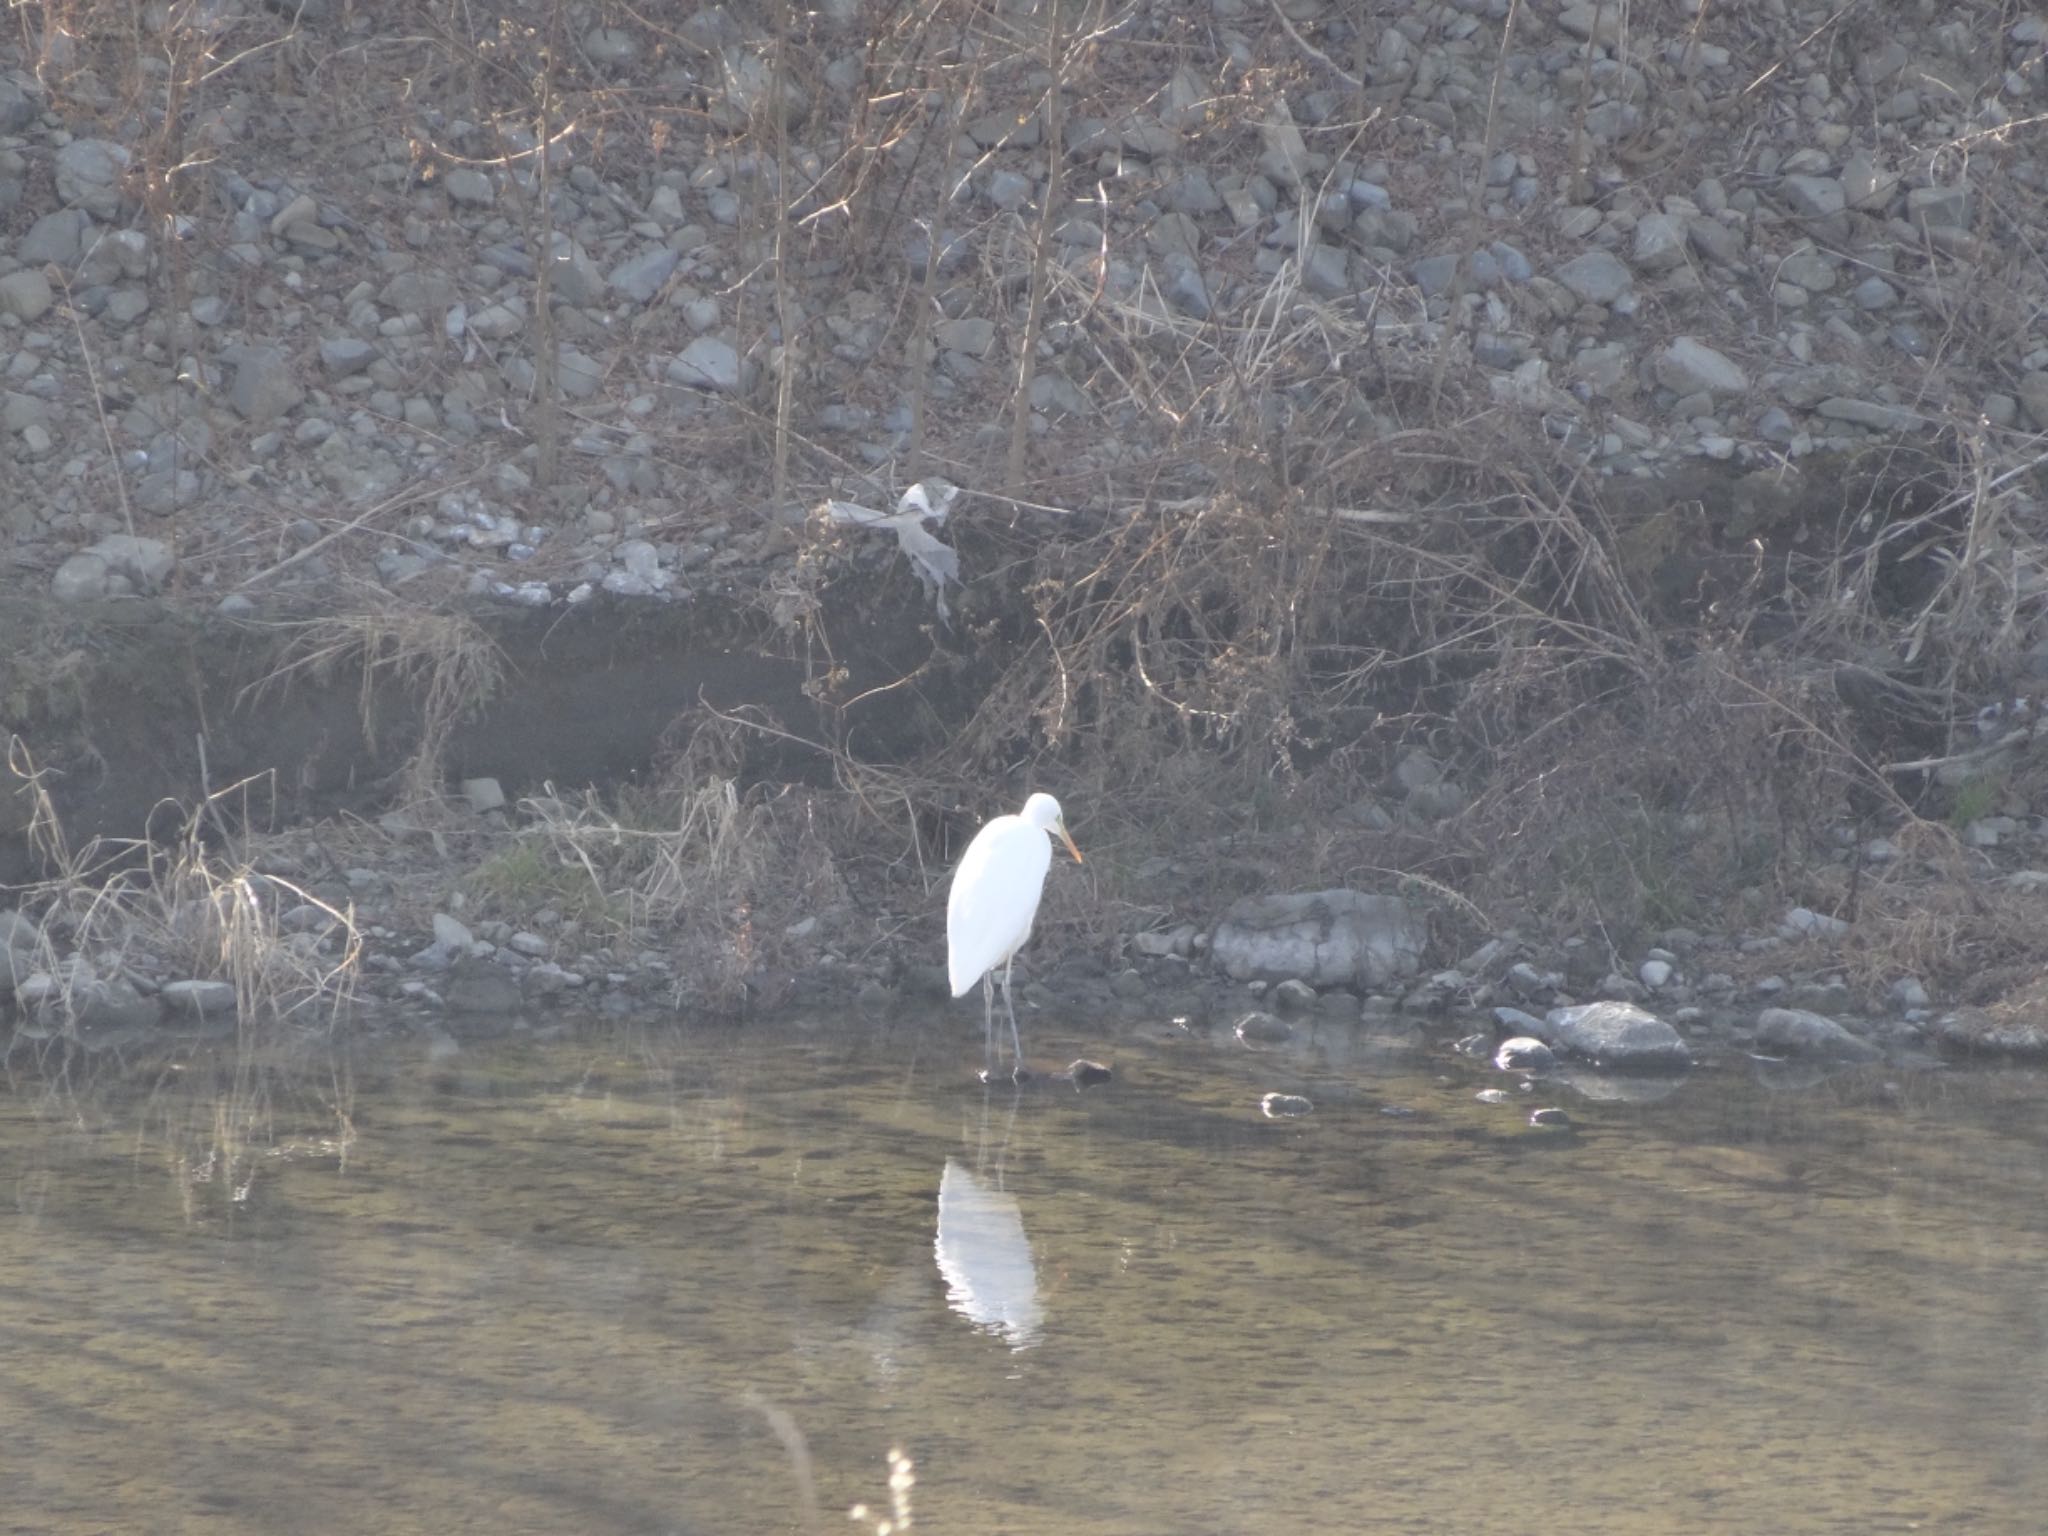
x=986, y=1258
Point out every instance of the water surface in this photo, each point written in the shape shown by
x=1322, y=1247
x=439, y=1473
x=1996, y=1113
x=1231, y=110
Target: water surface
x=606, y=1281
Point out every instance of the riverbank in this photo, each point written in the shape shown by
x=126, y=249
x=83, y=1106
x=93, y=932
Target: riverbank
x=1581, y=481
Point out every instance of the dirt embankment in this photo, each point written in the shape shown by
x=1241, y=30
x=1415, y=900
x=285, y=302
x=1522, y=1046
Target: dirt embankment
x=1583, y=460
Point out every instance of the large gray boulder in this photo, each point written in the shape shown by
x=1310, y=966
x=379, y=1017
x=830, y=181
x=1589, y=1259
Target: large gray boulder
x=1334, y=938
x=1619, y=1036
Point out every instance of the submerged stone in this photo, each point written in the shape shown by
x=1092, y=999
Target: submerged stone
x=1799, y=1032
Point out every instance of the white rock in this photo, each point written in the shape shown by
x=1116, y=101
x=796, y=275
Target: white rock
x=1689, y=367
x=1800, y=923
x=483, y=795
x=1618, y=1035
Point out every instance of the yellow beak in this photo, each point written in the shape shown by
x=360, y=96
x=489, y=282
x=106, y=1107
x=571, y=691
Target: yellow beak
x=1070, y=845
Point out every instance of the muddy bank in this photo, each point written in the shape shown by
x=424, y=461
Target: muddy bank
x=128, y=709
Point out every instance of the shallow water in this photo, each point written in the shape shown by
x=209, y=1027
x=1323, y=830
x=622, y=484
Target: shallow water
x=604, y=1282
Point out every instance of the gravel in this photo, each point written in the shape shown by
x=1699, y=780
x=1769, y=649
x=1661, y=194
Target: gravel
x=1758, y=253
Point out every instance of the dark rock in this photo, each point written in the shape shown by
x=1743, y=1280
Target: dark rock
x=1263, y=1029
x=1084, y=1073
x=1294, y=995
x=481, y=986
x=109, y=1006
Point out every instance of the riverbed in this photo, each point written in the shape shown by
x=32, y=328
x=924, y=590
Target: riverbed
x=691, y=1278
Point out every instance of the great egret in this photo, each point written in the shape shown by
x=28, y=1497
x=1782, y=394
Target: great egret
x=994, y=898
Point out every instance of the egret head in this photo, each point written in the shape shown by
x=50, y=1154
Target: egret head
x=1043, y=812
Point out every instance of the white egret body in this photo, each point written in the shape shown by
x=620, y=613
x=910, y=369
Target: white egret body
x=993, y=901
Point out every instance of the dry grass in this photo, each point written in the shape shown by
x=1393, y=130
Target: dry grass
x=174, y=906
x=1318, y=582
x=445, y=661
x=689, y=865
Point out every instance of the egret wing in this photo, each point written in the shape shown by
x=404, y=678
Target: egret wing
x=994, y=898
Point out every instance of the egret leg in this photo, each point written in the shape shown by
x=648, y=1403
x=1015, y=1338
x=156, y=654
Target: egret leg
x=988, y=1021
x=1016, y=1044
